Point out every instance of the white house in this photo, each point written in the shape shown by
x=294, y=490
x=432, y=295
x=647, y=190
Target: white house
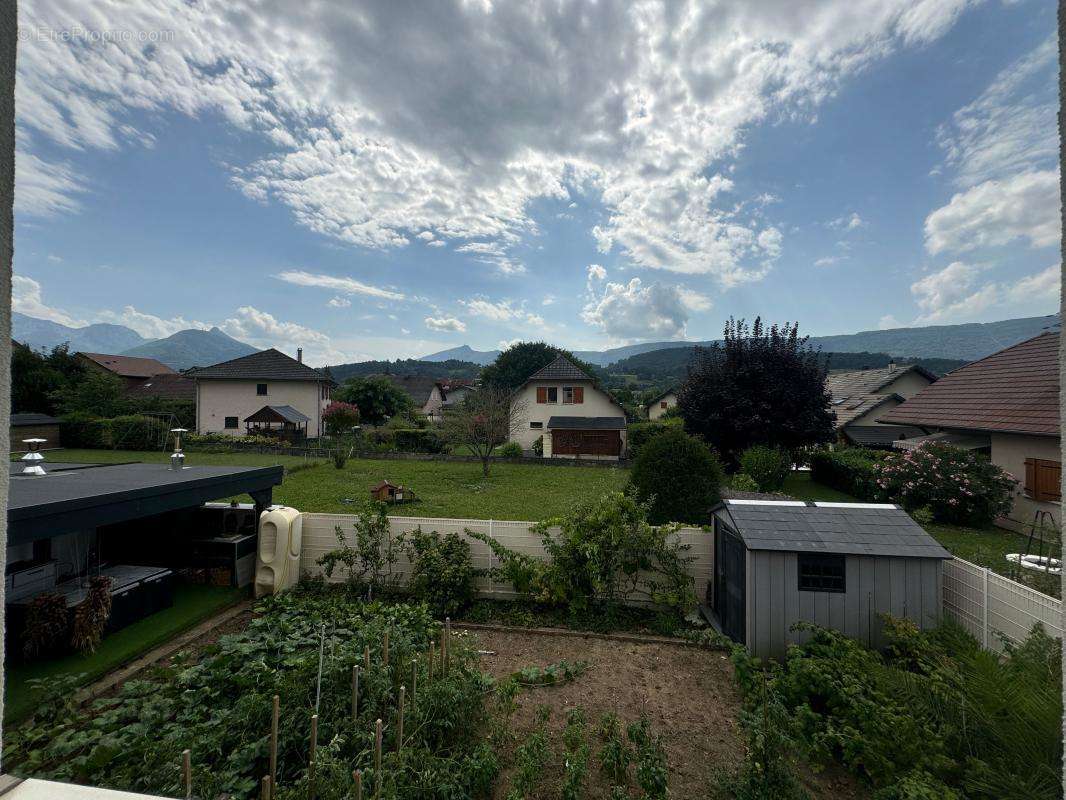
x=427, y=394
x=661, y=404
x=862, y=397
x=576, y=418
x=266, y=392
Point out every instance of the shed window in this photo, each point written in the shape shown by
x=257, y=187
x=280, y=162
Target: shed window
x=821, y=573
x=231, y=422
x=1043, y=479
x=260, y=388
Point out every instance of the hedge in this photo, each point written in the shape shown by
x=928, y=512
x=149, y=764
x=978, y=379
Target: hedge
x=639, y=433
x=84, y=431
x=848, y=469
x=419, y=440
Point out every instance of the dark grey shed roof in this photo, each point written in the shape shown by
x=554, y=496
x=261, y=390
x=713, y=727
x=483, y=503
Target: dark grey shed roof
x=283, y=414
x=588, y=423
x=21, y=420
x=561, y=369
x=865, y=529
x=266, y=365
x=76, y=497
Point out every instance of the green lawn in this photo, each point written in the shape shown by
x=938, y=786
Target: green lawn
x=445, y=488
x=192, y=604
x=986, y=547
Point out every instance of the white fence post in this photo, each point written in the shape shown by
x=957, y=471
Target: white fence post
x=984, y=608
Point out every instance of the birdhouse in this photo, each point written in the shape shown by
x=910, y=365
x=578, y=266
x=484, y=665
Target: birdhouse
x=386, y=492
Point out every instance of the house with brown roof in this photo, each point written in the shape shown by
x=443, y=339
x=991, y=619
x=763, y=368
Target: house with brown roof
x=860, y=398
x=131, y=369
x=576, y=419
x=1005, y=405
x=265, y=392
x=427, y=394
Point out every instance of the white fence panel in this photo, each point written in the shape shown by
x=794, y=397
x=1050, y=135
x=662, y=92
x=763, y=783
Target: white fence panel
x=990, y=606
x=319, y=537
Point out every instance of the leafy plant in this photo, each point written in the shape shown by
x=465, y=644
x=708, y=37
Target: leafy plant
x=538, y=446
x=340, y=417
x=46, y=626
x=368, y=564
x=615, y=754
x=959, y=486
x=531, y=757
x=651, y=769
x=575, y=737
x=340, y=458
x=742, y=482
x=91, y=615
x=639, y=434
x=509, y=450
x=678, y=477
x=561, y=672
x=768, y=466
x=441, y=573
x=852, y=470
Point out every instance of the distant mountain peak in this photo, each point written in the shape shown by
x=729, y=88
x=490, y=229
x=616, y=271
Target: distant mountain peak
x=193, y=348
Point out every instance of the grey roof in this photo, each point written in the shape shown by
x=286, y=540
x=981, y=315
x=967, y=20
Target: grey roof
x=879, y=435
x=851, y=407
x=660, y=396
x=561, y=369
x=870, y=381
x=287, y=413
x=588, y=423
x=266, y=365
x=865, y=529
x=19, y=420
x=419, y=387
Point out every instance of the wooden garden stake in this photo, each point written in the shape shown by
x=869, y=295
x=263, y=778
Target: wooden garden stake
x=385, y=649
x=357, y=777
x=264, y=792
x=443, y=651
x=366, y=657
x=321, y=647
x=399, y=722
x=311, y=762
x=414, y=685
x=377, y=759
x=275, y=714
x=432, y=658
x=355, y=692
x=186, y=771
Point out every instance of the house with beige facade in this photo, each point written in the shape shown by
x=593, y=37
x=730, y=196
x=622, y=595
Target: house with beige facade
x=661, y=404
x=576, y=419
x=427, y=394
x=860, y=398
x=266, y=393
x=1006, y=406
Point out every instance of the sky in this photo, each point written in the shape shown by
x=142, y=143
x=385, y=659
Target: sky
x=389, y=179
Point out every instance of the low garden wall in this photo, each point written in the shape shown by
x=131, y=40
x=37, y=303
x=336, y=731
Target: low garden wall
x=319, y=537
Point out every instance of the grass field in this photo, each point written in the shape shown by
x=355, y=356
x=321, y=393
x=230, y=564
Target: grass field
x=192, y=604
x=445, y=488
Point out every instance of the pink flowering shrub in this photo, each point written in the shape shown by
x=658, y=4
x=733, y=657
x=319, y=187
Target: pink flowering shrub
x=958, y=486
x=340, y=417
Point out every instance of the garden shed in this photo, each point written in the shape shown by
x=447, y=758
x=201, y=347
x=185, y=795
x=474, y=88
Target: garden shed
x=838, y=565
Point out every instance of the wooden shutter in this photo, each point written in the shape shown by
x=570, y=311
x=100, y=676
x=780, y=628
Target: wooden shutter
x=1043, y=479
x=542, y=394
x=579, y=394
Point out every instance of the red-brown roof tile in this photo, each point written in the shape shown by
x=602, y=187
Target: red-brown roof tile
x=128, y=366
x=168, y=386
x=1015, y=390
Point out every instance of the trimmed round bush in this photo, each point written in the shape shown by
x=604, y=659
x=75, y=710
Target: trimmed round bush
x=768, y=466
x=678, y=476
x=509, y=450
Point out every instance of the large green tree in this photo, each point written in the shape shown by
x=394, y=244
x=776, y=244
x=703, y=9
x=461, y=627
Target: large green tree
x=377, y=398
x=40, y=379
x=514, y=365
x=758, y=386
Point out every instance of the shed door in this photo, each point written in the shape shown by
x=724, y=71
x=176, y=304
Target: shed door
x=730, y=581
x=591, y=443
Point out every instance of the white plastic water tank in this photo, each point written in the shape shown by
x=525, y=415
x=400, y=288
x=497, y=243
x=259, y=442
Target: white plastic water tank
x=277, y=562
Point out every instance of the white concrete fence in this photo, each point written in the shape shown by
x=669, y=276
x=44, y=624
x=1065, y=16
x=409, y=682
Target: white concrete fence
x=986, y=604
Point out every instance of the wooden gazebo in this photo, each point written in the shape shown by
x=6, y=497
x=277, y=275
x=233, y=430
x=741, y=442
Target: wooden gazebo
x=281, y=422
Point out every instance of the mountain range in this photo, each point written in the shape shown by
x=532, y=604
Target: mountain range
x=181, y=350
x=965, y=342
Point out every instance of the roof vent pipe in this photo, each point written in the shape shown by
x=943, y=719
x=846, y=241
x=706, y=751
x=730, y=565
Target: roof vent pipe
x=891, y=366
x=300, y=354
x=177, y=458
x=34, y=459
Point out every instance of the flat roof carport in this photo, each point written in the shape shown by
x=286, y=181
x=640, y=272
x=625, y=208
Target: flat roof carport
x=78, y=497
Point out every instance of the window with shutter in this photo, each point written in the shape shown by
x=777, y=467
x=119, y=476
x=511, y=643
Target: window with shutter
x=542, y=394
x=1043, y=479
x=579, y=394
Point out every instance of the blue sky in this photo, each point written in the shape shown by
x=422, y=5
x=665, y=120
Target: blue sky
x=383, y=180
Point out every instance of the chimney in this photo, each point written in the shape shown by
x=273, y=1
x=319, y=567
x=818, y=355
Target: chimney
x=300, y=354
x=177, y=458
x=33, y=459
x=892, y=366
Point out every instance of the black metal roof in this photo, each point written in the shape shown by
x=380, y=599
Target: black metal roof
x=865, y=529
x=278, y=414
x=588, y=423
x=20, y=420
x=561, y=369
x=76, y=497
x=879, y=435
x=266, y=365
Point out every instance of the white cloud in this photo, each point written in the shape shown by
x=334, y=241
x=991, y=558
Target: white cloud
x=55, y=259
x=262, y=329
x=954, y=294
x=26, y=298
x=888, y=321
x=45, y=189
x=942, y=289
x=828, y=261
x=435, y=243
x=375, y=145
x=426, y=236
x=695, y=301
x=503, y=311
x=547, y=301
x=995, y=213
x=445, y=324
x=344, y=285
x=149, y=325
x=339, y=302
x=629, y=312
x=1041, y=287
x=849, y=222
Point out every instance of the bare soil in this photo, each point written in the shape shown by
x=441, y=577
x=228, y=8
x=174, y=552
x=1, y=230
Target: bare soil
x=689, y=694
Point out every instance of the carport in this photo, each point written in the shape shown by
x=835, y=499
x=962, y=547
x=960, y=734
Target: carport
x=593, y=437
